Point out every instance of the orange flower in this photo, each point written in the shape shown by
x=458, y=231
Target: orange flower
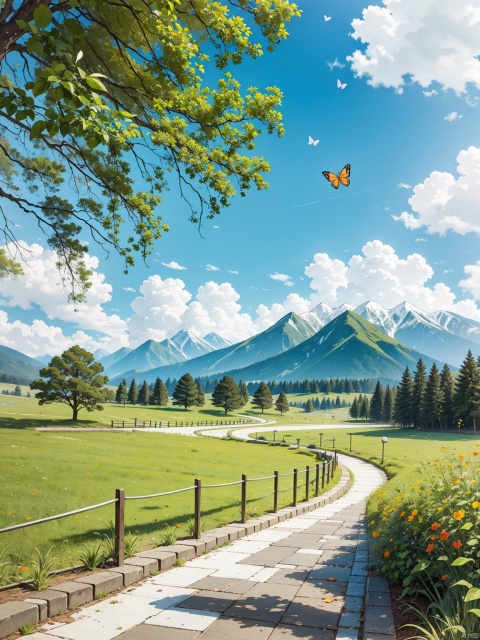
x=435, y=526
x=386, y=554
x=461, y=457
x=430, y=548
x=474, y=453
x=458, y=515
x=475, y=504
x=402, y=514
x=375, y=534
x=457, y=544
x=414, y=512
x=433, y=538
x=444, y=577
x=444, y=535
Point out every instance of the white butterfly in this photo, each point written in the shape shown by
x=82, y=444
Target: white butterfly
x=312, y=141
x=340, y=85
x=327, y=18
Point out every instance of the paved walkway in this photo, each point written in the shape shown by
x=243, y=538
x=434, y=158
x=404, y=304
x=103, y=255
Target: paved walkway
x=304, y=577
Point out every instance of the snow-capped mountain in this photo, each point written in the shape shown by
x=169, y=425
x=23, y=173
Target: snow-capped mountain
x=191, y=345
x=217, y=341
x=441, y=334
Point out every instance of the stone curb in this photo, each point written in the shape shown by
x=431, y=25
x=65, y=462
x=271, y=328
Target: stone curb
x=58, y=598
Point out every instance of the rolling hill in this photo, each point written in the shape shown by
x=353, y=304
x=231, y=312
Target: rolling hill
x=17, y=364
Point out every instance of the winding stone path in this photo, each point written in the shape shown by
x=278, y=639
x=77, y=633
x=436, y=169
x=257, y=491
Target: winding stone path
x=304, y=577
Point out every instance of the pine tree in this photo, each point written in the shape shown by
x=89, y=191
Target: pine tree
x=17, y=391
x=186, y=392
x=323, y=405
x=200, y=397
x=155, y=395
x=316, y=388
x=309, y=406
x=144, y=393
x=353, y=411
x=121, y=395
x=163, y=394
x=466, y=396
x=244, y=391
x=402, y=409
x=376, y=403
x=364, y=410
x=281, y=403
x=262, y=398
x=418, y=394
x=338, y=404
x=133, y=392
x=227, y=395
x=387, y=405
x=433, y=398
x=446, y=403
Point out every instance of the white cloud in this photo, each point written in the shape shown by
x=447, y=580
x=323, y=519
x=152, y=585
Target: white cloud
x=404, y=185
x=453, y=116
x=334, y=64
x=41, y=285
x=444, y=203
x=427, y=40
x=215, y=226
x=174, y=265
x=234, y=272
x=471, y=284
x=431, y=93
x=266, y=316
x=211, y=267
x=420, y=240
x=129, y=289
x=282, y=277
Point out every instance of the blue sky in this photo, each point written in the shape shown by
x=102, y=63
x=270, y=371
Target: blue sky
x=407, y=120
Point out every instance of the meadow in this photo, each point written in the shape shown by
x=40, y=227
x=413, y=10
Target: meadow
x=47, y=473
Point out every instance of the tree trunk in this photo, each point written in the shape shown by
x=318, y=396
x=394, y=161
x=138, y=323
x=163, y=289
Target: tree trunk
x=75, y=413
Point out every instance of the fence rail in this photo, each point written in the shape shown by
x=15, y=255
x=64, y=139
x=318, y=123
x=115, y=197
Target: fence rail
x=143, y=424
x=323, y=473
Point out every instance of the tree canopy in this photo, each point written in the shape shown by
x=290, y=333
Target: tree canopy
x=227, y=395
x=104, y=104
x=74, y=378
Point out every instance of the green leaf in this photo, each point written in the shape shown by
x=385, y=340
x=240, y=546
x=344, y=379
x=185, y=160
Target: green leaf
x=442, y=558
x=35, y=46
x=37, y=129
x=459, y=562
x=42, y=16
x=95, y=83
x=421, y=566
x=79, y=56
x=463, y=583
x=467, y=526
x=475, y=611
x=23, y=25
x=472, y=594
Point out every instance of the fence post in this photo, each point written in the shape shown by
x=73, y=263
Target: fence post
x=244, y=498
x=295, y=482
x=317, y=479
x=328, y=470
x=119, y=527
x=275, y=491
x=323, y=474
x=198, y=491
x=123, y=424
x=307, y=481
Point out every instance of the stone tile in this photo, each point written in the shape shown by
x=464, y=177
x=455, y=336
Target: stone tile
x=337, y=558
x=218, y=560
x=227, y=585
x=210, y=542
x=283, y=631
x=246, y=546
x=184, y=619
x=293, y=576
x=164, y=596
x=269, y=557
x=347, y=634
x=165, y=559
x=182, y=551
x=42, y=607
x=39, y=636
x=302, y=559
x=181, y=576
x=338, y=545
x=264, y=574
x=208, y=601
x=297, y=542
x=57, y=602
x=148, y=565
x=271, y=535
x=341, y=574
x=198, y=545
x=232, y=533
x=14, y=614
x=102, y=582
x=148, y=632
x=77, y=592
x=235, y=629
x=238, y=571
x=308, y=612
x=378, y=599
x=130, y=573
x=377, y=584
x=350, y=619
x=358, y=579
x=324, y=589
x=378, y=620
x=353, y=603
x=261, y=603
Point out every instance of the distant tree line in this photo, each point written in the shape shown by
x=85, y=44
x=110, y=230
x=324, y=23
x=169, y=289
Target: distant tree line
x=11, y=379
x=378, y=408
x=314, y=404
x=435, y=401
x=16, y=392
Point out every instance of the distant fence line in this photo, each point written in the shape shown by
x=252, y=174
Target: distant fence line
x=323, y=474
x=140, y=424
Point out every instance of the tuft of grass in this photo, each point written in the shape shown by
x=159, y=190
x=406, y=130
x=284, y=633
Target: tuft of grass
x=168, y=536
x=41, y=567
x=27, y=629
x=93, y=555
x=179, y=562
x=190, y=526
x=101, y=594
x=131, y=544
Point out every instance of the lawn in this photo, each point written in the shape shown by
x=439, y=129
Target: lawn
x=51, y=473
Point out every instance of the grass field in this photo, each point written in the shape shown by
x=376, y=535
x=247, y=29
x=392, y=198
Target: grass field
x=50, y=473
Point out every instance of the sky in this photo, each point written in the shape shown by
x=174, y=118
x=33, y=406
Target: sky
x=407, y=120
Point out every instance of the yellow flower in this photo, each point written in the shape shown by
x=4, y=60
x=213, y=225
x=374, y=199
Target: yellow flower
x=476, y=504
x=436, y=459
x=461, y=457
x=402, y=514
x=410, y=518
x=443, y=448
x=439, y=509
x=414, y=512
x=458, y=515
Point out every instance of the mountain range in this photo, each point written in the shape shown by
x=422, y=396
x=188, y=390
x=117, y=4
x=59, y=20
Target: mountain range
x=437, y=334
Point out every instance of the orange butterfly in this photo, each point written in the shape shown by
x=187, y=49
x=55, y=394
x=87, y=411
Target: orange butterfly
x=343, y=177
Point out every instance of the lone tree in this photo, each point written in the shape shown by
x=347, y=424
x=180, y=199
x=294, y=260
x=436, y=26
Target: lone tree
x=74, y=378
x=262, y=398
x=159, y=395
x=281, y=403
x=186, y=392
x=90, y=89
x=133, y=392
x=227, y=395
x=122, y=393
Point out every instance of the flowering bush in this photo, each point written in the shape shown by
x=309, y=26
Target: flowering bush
x=429, y=536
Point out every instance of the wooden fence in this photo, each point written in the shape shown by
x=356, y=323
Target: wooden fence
x=140, y=424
